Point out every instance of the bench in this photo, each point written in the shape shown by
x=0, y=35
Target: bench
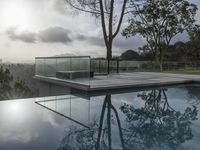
x=74, y=74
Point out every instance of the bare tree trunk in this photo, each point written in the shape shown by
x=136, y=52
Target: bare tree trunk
x=109, y=56
x=161, y=60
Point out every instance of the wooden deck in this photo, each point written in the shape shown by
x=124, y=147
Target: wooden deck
x=123, y=80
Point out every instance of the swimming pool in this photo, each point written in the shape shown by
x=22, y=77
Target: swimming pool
x=159, y=118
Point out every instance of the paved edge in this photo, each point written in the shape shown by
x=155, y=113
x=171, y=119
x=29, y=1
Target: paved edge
x=87, y=88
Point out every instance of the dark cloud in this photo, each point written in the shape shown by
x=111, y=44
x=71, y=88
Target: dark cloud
x=129, y=43
x=119, y=42
x=55, y=35
x=97, y=41
x=93, y=40
x=48, y=35
x=27, y=37
x=81, y=37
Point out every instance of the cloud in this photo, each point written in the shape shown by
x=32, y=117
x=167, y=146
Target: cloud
x=26, y=36
x=129, y=43
x=55, y=35
x=92, y=40
x=97, y=41
x=119, y=42
x=59, y=6
x=49, y=35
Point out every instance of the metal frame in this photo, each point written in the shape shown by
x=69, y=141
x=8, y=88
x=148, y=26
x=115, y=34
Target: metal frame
x=57, y=57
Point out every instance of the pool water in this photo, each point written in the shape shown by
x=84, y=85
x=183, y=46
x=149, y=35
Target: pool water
x=160, y=118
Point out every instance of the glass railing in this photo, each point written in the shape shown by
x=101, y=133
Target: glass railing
x=81, y=69
x=66, y=68
x=100, y=66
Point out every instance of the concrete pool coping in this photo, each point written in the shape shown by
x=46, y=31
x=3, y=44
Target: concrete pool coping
x=123, y=80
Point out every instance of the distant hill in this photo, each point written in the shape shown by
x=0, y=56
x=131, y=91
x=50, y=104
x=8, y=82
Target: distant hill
x=130, y=55
x=63, y=55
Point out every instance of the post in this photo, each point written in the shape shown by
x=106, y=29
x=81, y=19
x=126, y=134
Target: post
x=117, y=65
x=108, y=67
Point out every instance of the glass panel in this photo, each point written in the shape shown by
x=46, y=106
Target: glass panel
x=66, y=68
x=80, y=68
x=129, y=66
x=63, y=64
x=50, y=67
x=81, y=114
x=39, y=66
x=63, y=106
x=103, y=66
x=80, y=64
x=95, y=66
x=113, y=66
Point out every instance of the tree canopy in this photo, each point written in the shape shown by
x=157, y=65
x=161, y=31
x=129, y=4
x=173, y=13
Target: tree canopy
x=159, y=21
x=12, y=89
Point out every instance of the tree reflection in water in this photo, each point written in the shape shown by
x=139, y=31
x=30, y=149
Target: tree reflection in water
x=155, y=125
x=98, y=136
x=193, y=94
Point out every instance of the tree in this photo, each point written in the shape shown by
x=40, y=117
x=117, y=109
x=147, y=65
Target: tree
x=21, y=90
x=5, y=79
x=194, y=33
x=159, y=21
x=179, y=51
x=193, y=44
x=10, y=89
x=111, y=16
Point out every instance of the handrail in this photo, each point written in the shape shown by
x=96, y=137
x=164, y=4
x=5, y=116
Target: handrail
x=55, y=57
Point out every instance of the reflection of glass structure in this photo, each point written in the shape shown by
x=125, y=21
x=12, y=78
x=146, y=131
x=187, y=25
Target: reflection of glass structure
x=69, y=107
x=153, y=125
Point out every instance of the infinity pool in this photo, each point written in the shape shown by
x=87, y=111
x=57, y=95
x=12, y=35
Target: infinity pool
x=160, y=118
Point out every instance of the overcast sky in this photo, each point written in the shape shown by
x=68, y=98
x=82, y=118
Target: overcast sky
x=30, y=28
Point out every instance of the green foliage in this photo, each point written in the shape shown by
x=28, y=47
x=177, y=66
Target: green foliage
x=194, y=33
x=10, y=90
x=188, y=51
x=158, y=21
x=21, y=90
x=5, y=80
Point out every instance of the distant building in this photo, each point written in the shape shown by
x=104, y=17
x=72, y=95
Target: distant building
x=1, y=61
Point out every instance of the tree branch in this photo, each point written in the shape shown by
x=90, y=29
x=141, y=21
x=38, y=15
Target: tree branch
x=81, y=9
x=120, y=20
x=103, y=22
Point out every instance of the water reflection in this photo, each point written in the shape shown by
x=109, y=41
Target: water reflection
x=157, y=124
x=154, y=124
x=193, y=94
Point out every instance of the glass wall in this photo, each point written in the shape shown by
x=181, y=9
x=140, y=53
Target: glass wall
x=99, y=67
x=69, y=68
